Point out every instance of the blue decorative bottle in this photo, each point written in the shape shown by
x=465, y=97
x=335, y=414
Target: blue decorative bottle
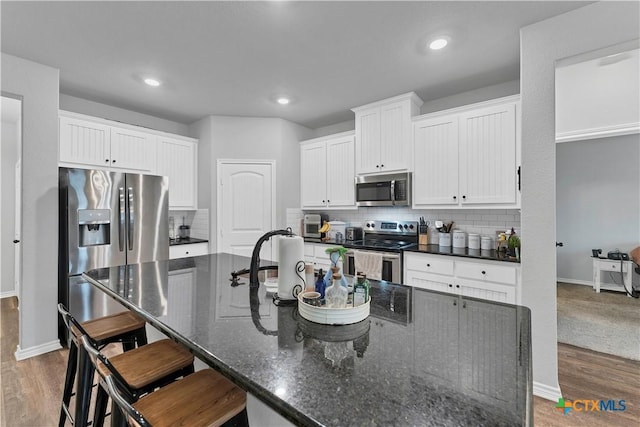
x=320, y=284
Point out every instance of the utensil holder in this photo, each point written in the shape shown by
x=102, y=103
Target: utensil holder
x=444, y=240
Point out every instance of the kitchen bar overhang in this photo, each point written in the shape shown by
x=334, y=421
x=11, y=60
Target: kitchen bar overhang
x=445, y=360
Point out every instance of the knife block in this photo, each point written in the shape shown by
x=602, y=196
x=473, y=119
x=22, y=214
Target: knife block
x=423, y=239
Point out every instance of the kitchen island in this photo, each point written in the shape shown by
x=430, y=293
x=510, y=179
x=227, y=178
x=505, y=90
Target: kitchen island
x=421, y=358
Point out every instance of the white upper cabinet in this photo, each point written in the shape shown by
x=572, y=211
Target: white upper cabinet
x=383, y=134
x=435, y=176
x=468, y=157
x=91, y=142
x=177, y=159
x=327, y=171
x=488, y=170
x=132, y=150
x=84, y=143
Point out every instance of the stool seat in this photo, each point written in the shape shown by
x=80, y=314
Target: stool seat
x=205, y=398
x=145, y=365
x=107, y=327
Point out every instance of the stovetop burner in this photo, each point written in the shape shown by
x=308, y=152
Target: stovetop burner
x=387, y=235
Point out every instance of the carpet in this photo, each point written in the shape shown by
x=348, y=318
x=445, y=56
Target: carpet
x=608, y=322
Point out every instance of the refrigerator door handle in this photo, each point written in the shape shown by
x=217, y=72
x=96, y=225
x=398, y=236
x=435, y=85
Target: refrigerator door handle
x=131, y=218
x=121, y=222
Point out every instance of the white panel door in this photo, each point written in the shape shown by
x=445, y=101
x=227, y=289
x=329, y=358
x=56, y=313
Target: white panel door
x=368, y=141
x=435, y=174
x=394, y=147
x=313, y=166
x=341, y=172
x=246, y=206
x=488, y=155
x=177, y=160
x=84, y=143
x=133, y=150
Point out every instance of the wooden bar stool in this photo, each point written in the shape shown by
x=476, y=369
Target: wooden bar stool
x=205, y=398
x=126, y=328
x=138, y=371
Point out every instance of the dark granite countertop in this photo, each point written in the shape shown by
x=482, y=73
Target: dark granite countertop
x=421, y=358
x=190, y=240
x=491, y=255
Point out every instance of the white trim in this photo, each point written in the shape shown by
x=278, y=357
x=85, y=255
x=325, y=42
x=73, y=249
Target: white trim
x=220, y=162
x=349, y=133
x=409, y=96
x=546, y=392
x=599, y=132
x=575, y=281
x=122, y=125
x=37, y=350
x=477, y=105
x=8, y=294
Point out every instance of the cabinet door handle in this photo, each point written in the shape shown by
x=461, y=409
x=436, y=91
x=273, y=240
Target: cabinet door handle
x=328, y=201
x=187, y=252
x=323, y=201
x=484, y=272
x=450, y=285
x=464, y=304
x=113, y=161
x=428, y=265
x=106, y=160
x=377, y=166
x=455, y=302
x=381, y=166
x=464, y=197
x=455, y=197
x=458, y=286
x=519, y=179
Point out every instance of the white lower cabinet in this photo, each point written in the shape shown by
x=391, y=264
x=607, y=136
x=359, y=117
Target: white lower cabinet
x=189, y=250
x=469, y=277
x=314, y=253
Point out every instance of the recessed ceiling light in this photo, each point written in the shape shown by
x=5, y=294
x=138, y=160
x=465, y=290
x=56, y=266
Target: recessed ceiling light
x=438, y=43
x=282, y=100
x=152, y=82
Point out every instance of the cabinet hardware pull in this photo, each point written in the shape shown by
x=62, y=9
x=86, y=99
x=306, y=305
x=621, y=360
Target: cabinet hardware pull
x=377, y=166
x=113, y=161
x=519, y=179
x=455, y=197
x=484, y=272
x=428, y=265
x=450, y=285
x=106, y=160
x=464, y=197
x=381, y=166
x=458, y=286
x=455, y=302
x=464, y=304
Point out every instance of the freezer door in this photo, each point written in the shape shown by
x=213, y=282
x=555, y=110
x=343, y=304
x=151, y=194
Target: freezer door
x=94, y=218
x=147, y=218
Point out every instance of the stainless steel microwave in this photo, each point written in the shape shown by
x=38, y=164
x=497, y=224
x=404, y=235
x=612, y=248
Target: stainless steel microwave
x=384, y=190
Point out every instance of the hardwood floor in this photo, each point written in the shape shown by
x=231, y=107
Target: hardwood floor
x=30, y=390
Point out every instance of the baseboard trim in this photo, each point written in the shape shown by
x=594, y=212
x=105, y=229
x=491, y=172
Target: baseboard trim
x=575, y=281
x=546, y=392
x=37, y=350
x=7, y=294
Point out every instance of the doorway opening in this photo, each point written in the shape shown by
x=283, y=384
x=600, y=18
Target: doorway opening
x=10, y=195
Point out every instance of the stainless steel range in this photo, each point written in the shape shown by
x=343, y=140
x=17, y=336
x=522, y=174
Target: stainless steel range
x=389, y=238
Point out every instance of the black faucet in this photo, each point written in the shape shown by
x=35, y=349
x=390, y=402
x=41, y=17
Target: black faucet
x=254, y=267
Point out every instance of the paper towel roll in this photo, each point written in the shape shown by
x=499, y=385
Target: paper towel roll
x=290, y=267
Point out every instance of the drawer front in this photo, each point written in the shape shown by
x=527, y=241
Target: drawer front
x=487, y=272
x=183, y=251
x=425, y=281
x=429, y=264
x=614, y=266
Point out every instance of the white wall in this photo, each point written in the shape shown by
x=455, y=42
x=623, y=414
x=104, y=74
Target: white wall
x=96, y=109
x=39, y=87
x=598, y=202
x=226, y=137
x=541, y=45
x=9, y=157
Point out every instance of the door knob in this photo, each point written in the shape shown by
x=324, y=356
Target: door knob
x=16, y=241
x=559, y=244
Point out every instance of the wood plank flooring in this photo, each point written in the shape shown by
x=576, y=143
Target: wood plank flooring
x=30, y=390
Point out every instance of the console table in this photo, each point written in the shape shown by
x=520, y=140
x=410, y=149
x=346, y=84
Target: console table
x=605, y=264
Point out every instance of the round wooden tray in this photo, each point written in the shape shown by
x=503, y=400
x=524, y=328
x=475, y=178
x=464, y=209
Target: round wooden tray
x=333, y=316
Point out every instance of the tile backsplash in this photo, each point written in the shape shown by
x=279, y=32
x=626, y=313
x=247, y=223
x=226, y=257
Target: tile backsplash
x=198, y=220
x=481, y=221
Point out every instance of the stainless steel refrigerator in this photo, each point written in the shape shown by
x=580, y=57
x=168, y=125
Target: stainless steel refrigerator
x=106, y=219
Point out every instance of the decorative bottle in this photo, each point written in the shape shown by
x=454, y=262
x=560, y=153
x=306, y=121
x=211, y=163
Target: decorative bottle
x=336, y=294
x=320, y=284
x=361, y=290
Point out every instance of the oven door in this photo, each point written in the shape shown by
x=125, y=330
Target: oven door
x=391, y=265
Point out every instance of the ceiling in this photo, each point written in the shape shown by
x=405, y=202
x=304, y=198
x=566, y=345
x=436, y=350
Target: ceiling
x=234, y=58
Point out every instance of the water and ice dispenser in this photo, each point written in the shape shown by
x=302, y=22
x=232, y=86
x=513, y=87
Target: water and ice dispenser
x=94, y=227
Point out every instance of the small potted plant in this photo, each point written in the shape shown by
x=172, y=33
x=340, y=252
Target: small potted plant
x=513, y=244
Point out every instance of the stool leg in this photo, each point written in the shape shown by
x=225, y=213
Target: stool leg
x=83, y=390
x=72, y=365
x=141, y=337
x=101, y=407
